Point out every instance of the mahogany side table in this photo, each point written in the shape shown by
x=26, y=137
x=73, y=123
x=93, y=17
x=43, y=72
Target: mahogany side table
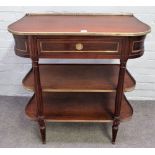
x=79, y=92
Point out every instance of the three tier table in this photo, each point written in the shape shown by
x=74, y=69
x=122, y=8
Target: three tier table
x=79, y=92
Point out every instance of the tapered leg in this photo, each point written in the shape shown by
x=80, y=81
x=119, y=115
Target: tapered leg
x=115, y=126
x=42, y=127
x=32, y=43
x=118, y=100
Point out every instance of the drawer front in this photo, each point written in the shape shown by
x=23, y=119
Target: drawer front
x=78, y=48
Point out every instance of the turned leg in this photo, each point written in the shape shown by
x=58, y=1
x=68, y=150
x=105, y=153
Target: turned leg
x=115, y=126
x=118, y=100
x=42, y=127
x=32, y=40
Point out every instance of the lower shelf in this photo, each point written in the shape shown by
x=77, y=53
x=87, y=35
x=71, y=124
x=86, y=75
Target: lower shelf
x=79, y=107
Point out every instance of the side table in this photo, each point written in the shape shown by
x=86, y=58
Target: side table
x=79, y=92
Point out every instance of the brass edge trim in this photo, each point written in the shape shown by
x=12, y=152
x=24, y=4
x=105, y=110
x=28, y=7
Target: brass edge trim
x=136, y=51
x=81, y=33
x=95, y=121
x=76, y=90
x=20, y=50
x=92, y=121
x=81, y=14
x=78, y=121
x=80, y=51
x=101, y=41
x=34, y=118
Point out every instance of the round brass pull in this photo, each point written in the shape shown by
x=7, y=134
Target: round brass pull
x=79, y=46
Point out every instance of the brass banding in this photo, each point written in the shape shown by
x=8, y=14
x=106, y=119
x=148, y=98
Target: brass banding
x=79, y=14
x=82, y=34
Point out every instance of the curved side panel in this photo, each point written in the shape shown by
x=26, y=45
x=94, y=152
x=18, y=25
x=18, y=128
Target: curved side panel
x=137, y=47
x=21, y=46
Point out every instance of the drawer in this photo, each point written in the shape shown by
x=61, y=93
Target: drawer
x=78, y=48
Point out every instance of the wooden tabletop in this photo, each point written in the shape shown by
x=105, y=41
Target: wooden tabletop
x=79, y=24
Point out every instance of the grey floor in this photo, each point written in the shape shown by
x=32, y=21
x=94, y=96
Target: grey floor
x=17, y=131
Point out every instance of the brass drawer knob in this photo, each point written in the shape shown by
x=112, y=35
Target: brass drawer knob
x=79, y=46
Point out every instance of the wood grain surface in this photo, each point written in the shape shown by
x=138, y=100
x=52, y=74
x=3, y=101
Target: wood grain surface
x=79, y=78
x=124, y=25
x=79, y=107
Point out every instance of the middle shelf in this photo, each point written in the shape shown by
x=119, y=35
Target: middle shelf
x=79, y=78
